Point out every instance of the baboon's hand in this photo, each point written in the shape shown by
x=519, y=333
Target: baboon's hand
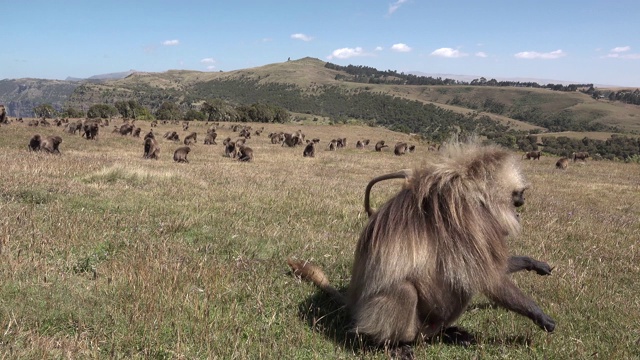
x=546, y=323
x=541, y=268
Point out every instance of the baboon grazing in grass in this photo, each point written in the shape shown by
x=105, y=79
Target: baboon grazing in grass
x=51, y=144
x=245, y=153
x=580, y=156
x=380, y=144
x=333, y=145
x=315, y=140
x=210, y=138
x=34, y=142
x=136, y=132
x=173, y=136
x=151, y=148
x=400, y=148
x=154, y=123
x=309, y=150
x=180, y=155
x=436, y=243
x=532, y=155
x=185, y=126
x=412, y=148
x=191, y=138
x=359, y=145
x=149, y=135
x=126, y=129
x=562, y=163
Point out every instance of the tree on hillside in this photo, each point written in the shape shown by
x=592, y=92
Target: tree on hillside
x=71, y=112
x=169, y=111
x=44, y=110
x=218, y=110
x=192, y=114
x=102, y=111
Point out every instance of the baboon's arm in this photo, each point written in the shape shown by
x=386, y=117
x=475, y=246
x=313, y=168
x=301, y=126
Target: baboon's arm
x=507, y=295
x=519, y=263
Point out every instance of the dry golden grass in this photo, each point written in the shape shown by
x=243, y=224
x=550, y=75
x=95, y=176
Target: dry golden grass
x=105, y=254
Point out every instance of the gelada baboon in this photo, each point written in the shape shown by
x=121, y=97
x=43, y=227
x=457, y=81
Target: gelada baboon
x=180, y=155
x=91, y=129
x=532, y=155
x=431, y=247
x=34, y=143
x=333, y=145
x=151, y=148
x=210, y=138
x=359, y=145
x=309, y=150
x=191, y=138
x=380, y=144
x=400, y=148
x=230, y=149
x=136, y=132
x=4, y=119
x=51, y=144
x=562, y=163
x=580, y=156
x=245, y=153
x=412, y=148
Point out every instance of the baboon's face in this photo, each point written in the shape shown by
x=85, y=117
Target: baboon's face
x=518, y=197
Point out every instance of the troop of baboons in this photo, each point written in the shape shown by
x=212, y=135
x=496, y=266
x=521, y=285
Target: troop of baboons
x=414, y=275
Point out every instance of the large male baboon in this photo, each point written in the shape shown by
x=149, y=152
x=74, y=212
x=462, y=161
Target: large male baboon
x=151, y=148
x=380, y=144
x=34, y=142
x=400, y=148
x=91, y=129
x=126, y=129
x=431, y=247
x=309, y=150
x=191, y=138
x=532, y=155
x=245, y=153
x=580, y=156
x=292, y=140
x=180, y=155
x=51, y=144
x=562, y=163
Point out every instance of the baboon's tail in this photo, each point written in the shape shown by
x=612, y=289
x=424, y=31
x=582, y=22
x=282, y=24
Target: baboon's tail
x=402, y=174
x=310, y=272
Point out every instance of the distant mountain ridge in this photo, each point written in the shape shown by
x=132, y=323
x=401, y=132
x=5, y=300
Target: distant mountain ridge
x=469, y=78
x=110, y=76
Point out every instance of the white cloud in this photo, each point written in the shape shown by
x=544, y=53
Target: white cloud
x=211, y=67
x=171, y=42
x=346, y=53
x=536, y=55
x=208, y=61
x=395, y=6
x=622, y=56
x=302, y=37
x=620, y=49
x=378, y=48
x=448, y=53
x=481, y=54
x=400, y=47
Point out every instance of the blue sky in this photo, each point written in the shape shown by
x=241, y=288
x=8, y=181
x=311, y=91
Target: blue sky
x=583, y=41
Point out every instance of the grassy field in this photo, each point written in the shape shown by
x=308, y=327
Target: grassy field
x=106, y=255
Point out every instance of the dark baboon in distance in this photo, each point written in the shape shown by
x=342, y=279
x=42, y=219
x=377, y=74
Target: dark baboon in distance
x=151, y=148
x=580, y=156
x=4, y=119
x=34, y=143
x=532, y=155
x=245, y=153
x=412, y=148
x=51, y=144
x=309, y=150
x=359, y=145
x=562, y=163
x=400, y=148
x=126, y=129
x=91, y=129
x=191, y=138
x=431, y=247
x=136, y=132
x=333, y=145
x=380, y=144
x=180, y=155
